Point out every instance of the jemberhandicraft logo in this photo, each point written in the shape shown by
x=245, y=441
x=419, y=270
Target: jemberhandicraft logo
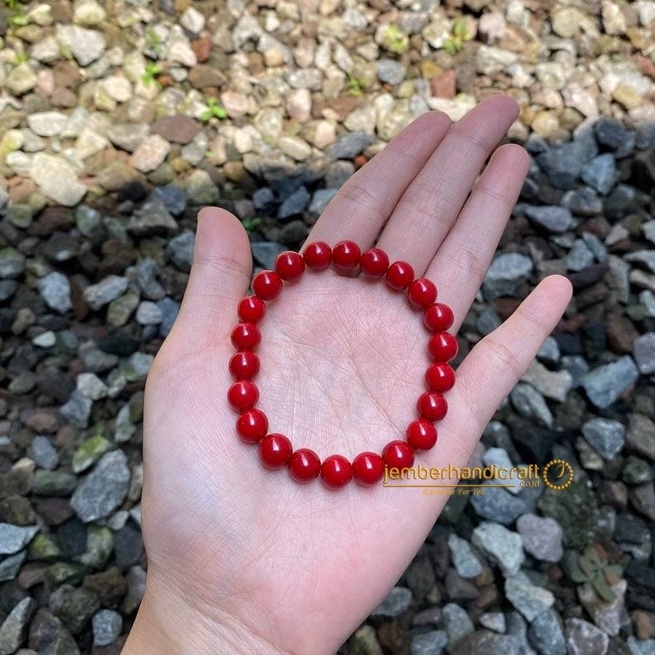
x=453, y=480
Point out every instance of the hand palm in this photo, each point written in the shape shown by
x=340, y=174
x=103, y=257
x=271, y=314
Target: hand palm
x=342, y=365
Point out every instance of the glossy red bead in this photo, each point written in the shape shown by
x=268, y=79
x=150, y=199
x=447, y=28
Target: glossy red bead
x=304, y=465
x=346, y=255
x=251, y=309
x=243, y=395
x=374, y=262
x=246, y=336
x=422, y=292
x=336, y=471
x=438, y=317
x=440, y=377
x=398, y=455
x=400, y=275
x=289, y=266
x=317, y=255
x=252, y=425
x=244, y=365
x=432, y=406
x=275, y=451
x=368, y=468
x=421, y=434
x=443, y=346
x=267, y=285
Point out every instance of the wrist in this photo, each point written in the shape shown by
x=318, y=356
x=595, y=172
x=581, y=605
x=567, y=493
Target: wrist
x=167, y=624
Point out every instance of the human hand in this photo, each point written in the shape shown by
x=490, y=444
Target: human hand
x=246, y=560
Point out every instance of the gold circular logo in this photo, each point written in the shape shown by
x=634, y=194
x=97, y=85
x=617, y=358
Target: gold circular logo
x=557, y=474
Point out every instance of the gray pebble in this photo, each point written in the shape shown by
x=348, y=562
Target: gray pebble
x=391, y=71
x=265, y=252
x=644, y=353
x=464, y=559
x=542, y=537
x=546, y=634
x=498, y=504
x=102, y=293
x=553, y=219
x=12, y=631
x=44, y=453
x=55, y=290
x=397, y=601
x=526, y=597
x=349, y=146
x=605, y=436
x=107, y=627
x=180, y=250
x=501, y=545
x=505, y=274
x=457, y=622
x=605, y=384
x=295, y=204
x=104, y=489
x=429, y=643
x=14, y=538
x=600, y=173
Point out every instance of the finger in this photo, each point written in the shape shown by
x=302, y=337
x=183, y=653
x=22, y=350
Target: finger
x=220, y=275
x=466, y=252
x=426, y=211
x=497, y=363
x=366, y=200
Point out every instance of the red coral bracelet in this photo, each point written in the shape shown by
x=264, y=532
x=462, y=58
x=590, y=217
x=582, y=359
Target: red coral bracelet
x=304, y=465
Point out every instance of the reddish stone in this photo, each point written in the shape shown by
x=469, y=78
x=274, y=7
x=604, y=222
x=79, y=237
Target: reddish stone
x=44, y=419
x=177, y=129
x=202, y=48
x=444, y=85
x=51, y=219
x=621, y=333
x=360, y=160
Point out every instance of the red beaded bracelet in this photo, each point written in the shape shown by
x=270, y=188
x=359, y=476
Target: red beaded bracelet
x=367, y=468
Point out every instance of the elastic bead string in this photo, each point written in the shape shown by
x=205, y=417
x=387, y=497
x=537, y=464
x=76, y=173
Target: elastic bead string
x=303, y=464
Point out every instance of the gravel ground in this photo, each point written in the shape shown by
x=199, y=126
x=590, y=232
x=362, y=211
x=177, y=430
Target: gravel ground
x=118, y=120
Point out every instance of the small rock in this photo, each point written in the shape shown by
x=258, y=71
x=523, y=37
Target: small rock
x=457, y=622
x=494, y=621
x=193, y=21
x=584, y=638
x=85, y=45
x=152, y=219
x=553, y=219
x=605, y=384
x=498, y=504
x=44, y=453
x=150, y=153
x=542, y=537
x=349, y=145
x=14, y=538
x=546, y=635
x=57, y=179
x=527, y=598
x=107, y=627
x=531, y=404
x=47, y=123
x=176, y=129
x=391, y=71
x=429, y=643
x=483, y=642
x=104, y=489
x=551, y=384
x=397, y=601
x=600, y=173
x=464, y=560
x=55, y=290
x=148, y=313
x=295, y=204
x=644, y=353
x=502, y=545
x=12, y=632
x=506, y=273
x=100, y=294
x=77, y=409
x=605, y=436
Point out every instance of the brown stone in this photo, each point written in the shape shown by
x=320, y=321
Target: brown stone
x=202, y=48
x=204, y=77
x=51, y=219
x=54, y=511
x=110, y=586
x=444, y=85
x=116, y=257
x=644, y=624
x=20, y=189
x=66, y=75
x=176, y=129
x=32, y=574
x=116, y=175
x=63, y=97
x=44, y=419
x=621, y=333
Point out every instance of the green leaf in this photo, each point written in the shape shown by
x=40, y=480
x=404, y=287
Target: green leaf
x=602, y=588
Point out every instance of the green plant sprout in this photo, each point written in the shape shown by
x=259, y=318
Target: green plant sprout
x=251, y=224
x=459, y=35
x=356, y=86
x=150, y=74
x=214, y=110
x=154, y=42
x=395, y=39
x=592, y=567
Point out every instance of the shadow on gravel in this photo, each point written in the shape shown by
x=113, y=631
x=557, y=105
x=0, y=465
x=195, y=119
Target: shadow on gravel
x=87, y=295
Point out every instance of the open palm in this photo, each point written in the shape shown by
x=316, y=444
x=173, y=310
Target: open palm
x=273, y=566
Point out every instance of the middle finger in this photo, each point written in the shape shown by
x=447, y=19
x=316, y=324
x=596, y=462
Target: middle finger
x=430, y=204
